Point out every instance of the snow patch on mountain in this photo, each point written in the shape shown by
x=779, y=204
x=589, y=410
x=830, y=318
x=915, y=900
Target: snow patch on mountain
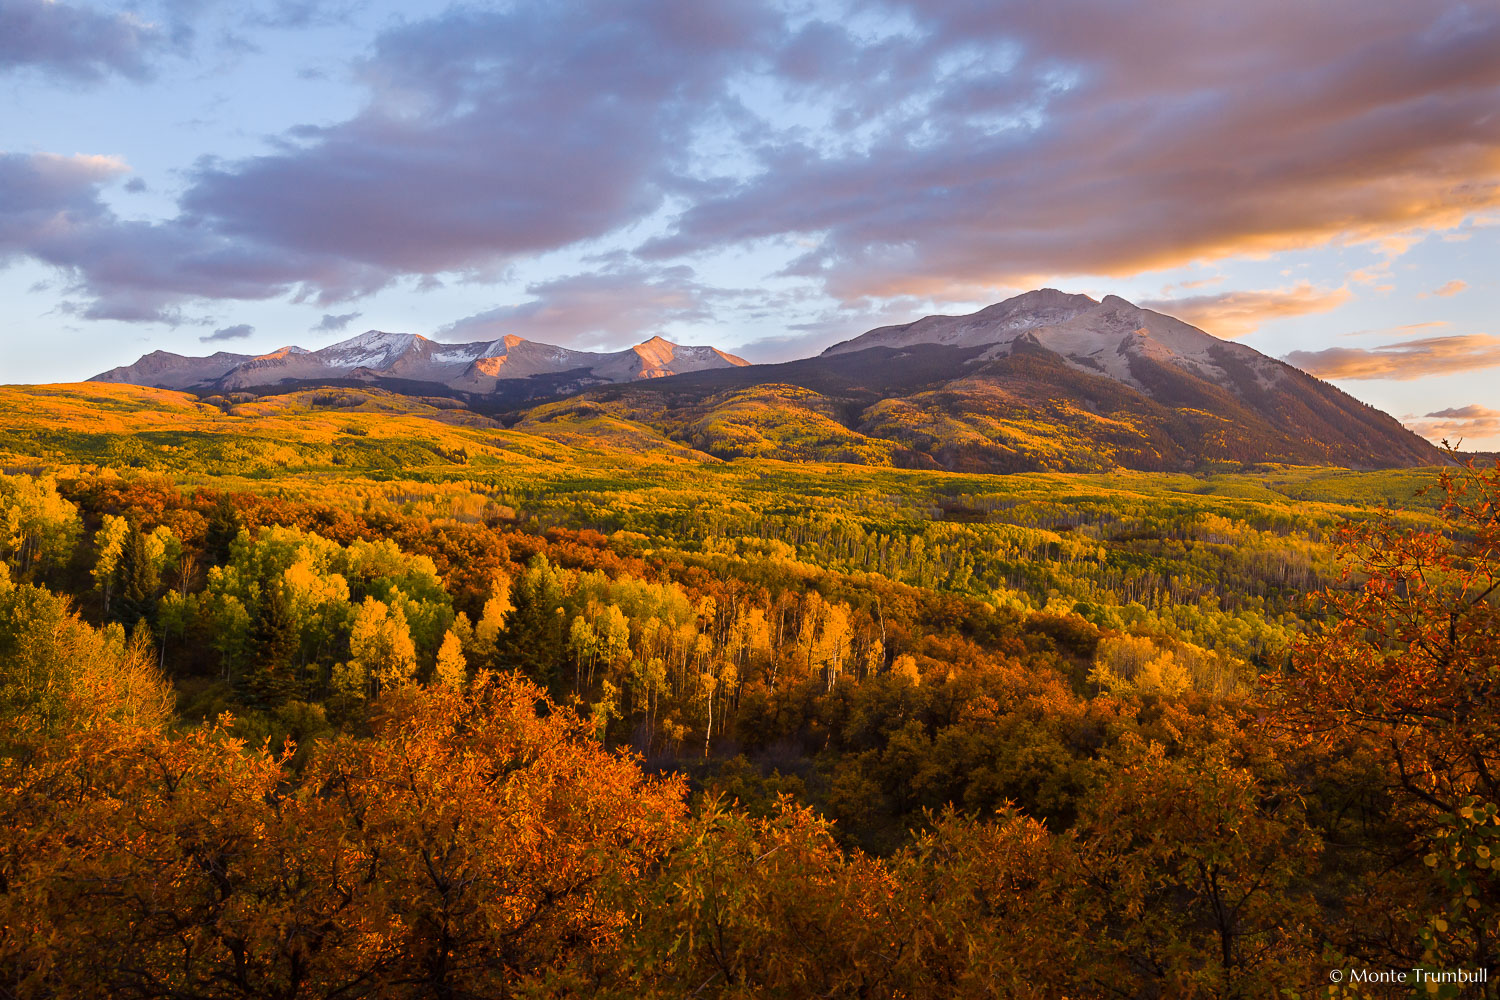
x=1108, y=337
x=375, y=354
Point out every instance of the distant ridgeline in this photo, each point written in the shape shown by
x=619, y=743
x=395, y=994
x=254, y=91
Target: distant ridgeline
x=504, y=371
x=1042, y=381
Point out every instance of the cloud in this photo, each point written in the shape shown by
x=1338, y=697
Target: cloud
x=79, y=43
x=1215, y=279
x=999, y=143
x=829, y=327
x=1235, y=314
x=473, y=151
x=44, y=197
x=331, y=323
x=622, y=305
x=1378, y=276
x=937, y=150
x=1403, y=361
x=51, y=211
x=1456, y=423
x=299, y=14
x=34, y=187
x=238, y=332
x=1386, y=331
x=470, y=152
x=1450, y=289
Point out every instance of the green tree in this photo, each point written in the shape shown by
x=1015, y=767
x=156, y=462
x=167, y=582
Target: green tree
x=270, y=678
x=224, y=525
x=38, y=528
x=380, y=645
x=109, y=541
x=137, y=579
x=534, y=642
x=58, y=674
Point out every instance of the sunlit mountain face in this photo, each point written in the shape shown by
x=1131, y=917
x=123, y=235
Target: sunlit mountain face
x=1044, y=380
x=409, y=359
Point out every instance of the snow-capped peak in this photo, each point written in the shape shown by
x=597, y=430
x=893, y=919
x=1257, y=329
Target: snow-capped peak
x=372, y=339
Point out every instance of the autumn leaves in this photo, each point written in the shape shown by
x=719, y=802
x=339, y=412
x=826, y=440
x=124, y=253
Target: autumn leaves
x=467, y=847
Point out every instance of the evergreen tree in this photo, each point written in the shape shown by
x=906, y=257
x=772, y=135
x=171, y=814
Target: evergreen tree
x=224, y=524
x=534, y=642
x=137, y=579
x=270, y=679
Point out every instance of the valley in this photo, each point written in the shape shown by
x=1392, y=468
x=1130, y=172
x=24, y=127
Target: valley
x=749, y=500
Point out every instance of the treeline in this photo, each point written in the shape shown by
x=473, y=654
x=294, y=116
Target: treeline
x=1127, y=552
x=466, y=846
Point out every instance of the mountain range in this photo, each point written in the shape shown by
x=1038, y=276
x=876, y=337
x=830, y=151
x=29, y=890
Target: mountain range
x=1042, y=381
x=508, y=367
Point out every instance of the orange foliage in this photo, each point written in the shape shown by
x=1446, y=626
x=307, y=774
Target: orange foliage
x=469, y=847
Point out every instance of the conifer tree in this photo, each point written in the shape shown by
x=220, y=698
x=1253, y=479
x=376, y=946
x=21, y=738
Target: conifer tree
x=534, y=641
x=137, y=579
x=270, y=679
x=224, y=524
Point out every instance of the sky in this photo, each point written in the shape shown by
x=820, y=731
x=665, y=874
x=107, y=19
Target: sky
x=1318, y=180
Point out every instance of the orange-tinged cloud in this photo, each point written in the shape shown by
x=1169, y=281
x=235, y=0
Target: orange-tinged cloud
x=1186, y=133
x=1451, y=288
x=1387, y=331
x=1409, y=359
x=978, y=148
x=1235, y=314
x=1458, y=423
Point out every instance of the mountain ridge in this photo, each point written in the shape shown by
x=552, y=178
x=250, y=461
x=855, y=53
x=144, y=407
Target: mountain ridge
x=1046, y=380
x=376, y=355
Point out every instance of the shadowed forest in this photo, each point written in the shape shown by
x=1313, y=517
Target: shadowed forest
x=344, y=694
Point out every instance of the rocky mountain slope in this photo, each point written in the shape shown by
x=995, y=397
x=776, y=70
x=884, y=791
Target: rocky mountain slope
x=1112, y=338
x=1042, y=381
x=1045, y=380
x=410, y=361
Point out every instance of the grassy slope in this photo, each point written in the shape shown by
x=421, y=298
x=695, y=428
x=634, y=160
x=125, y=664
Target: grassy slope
x=1029, y=411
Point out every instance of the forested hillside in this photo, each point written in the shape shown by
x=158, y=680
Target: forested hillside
x=345, y=694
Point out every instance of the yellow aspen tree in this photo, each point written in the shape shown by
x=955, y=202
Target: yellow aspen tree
x=109, y=542
x=381, y=643
x=833, y=642
x=451, y=670
x=492, y=619
x=613, y=634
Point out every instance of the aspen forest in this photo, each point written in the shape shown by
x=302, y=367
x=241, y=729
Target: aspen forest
x=585, y=723
x=749, y=500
